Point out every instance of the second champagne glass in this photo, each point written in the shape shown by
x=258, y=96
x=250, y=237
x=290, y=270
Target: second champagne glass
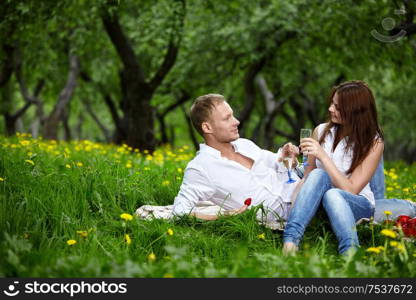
x=287, y=161
x=305, y=133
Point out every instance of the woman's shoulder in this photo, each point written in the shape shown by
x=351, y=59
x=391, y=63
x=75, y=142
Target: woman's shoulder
x=319, y=130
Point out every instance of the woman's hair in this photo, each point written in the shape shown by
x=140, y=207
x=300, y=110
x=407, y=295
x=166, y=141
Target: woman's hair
x=358, y=114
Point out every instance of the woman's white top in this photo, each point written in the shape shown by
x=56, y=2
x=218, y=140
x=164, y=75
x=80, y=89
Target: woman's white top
x=341, y=157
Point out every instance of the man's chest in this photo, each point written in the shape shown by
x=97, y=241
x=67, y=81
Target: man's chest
x=244, y=161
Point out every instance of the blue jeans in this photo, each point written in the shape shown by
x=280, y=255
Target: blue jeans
x=343, y=210
x=396, y=206
x=377, y=181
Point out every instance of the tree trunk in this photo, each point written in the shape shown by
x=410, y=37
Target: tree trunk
x=140, y=122
x=65, y=121
x=136, y=128
x=50, y=130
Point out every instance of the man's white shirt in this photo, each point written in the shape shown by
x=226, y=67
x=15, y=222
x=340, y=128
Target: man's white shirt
x=209, y=176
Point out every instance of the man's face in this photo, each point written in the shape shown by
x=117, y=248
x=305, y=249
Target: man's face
x=223, y=126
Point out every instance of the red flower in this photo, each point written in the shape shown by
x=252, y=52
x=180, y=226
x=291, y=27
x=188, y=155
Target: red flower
x=408, y=225
x=402, y=219
x=247, y=202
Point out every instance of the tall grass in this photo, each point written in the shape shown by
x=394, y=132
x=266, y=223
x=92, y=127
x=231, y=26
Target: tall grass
x=53, y=192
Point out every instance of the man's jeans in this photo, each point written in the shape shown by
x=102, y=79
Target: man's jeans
x=343, y=210
x=396, y=206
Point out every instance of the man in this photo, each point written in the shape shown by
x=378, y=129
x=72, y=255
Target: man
x=228, y=169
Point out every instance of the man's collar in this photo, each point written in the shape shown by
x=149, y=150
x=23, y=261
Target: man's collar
x=204, y=148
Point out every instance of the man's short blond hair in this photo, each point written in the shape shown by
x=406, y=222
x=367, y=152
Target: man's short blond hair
x=202, y=108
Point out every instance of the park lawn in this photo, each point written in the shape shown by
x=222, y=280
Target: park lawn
x=66, y=211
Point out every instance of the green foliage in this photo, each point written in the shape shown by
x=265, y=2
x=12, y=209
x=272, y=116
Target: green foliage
x=219, y=43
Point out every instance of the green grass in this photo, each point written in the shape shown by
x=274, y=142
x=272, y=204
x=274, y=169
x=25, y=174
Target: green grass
x=49, y=191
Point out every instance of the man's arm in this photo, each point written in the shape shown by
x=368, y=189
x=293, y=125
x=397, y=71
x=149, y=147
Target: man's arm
x=196, y=186
x=232, y=212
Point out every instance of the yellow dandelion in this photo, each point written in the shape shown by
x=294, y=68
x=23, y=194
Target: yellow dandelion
x=406, y=190
x=389, y=233
x=68, y=166
x=151, y=257
x=146, y=168
x=127, y=239
x=165, y=183
x=394, y=243
x=79, y=164
x=30, y=162
x=170, y=232
x=261, y=236
x=179, y=170
x=387, y=212
x=373, y=250
x=82, y=233
x=168, y=275
x=389, y=189
x=25, y=143
x=71, y=242
x=2, y=179
x=400, y=247
x=128, y=165
x=126, y=217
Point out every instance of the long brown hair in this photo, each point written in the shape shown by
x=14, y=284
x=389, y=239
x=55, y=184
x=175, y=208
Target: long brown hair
x=359, y=126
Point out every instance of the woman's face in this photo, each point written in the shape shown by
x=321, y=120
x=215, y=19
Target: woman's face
x=334, y=110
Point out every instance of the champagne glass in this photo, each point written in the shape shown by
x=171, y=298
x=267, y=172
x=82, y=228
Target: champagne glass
x=305, y=133
x=287, y=161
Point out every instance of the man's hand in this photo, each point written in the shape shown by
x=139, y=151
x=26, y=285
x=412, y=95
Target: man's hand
x=234, y=212
x=227, y=213
x=290, y=150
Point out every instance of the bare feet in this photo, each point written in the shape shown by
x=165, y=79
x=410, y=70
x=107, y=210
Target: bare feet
x=289, y=248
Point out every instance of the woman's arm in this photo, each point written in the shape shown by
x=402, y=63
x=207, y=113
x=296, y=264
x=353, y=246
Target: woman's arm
x=359, y=177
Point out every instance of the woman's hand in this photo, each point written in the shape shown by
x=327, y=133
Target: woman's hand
x=310, y=146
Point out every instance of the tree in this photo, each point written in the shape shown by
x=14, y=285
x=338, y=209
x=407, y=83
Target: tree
x=136, y=127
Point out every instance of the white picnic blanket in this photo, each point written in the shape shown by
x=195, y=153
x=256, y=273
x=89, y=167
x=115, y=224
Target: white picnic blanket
x=149, y=212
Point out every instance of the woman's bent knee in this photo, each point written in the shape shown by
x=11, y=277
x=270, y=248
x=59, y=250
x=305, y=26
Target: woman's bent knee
x=332, y=196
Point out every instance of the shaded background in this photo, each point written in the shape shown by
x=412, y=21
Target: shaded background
x=127, y=71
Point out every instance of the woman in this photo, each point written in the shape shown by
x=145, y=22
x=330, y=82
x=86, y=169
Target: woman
x=342, y=157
